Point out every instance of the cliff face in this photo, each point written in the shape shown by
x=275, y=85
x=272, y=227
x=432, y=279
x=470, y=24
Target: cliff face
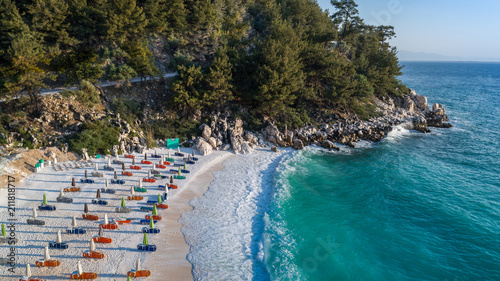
x=411, y=109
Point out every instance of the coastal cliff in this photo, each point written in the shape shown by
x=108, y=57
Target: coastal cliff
x=347, y=129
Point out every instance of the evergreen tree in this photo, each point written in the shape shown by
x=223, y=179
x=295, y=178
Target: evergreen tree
x=219, y=79
x=141, y=59
x=49, y=22
x=189, y=90
x=156, y=13
x=26, y=70
x=176, y=14
x=346, y=17
x=126, y=21
x=279, y=75
x=11, y=26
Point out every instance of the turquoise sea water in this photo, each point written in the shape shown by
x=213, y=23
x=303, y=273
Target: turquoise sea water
x=413, y=207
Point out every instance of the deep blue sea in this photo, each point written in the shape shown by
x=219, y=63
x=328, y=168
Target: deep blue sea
x=413, y=207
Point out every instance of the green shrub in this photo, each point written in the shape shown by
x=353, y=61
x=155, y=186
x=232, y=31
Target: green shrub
x=6, y=119
x=364, y=110
x=97, y=137
x=67, y=93
x=20, y=114
x=87, y=94
x=129, y=110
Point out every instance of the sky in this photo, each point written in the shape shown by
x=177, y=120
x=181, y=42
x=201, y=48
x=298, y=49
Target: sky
x=456, y=28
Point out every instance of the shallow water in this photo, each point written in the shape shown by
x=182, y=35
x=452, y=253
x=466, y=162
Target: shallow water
x=413, y=207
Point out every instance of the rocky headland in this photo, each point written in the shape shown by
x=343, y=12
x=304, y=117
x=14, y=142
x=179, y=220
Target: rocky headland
x=347, y=129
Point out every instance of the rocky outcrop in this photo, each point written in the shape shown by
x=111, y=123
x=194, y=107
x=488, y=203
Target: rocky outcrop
x=437, y=117
x=203, y=147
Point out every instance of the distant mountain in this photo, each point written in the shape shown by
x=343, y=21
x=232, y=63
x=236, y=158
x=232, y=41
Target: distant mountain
x=412, y=56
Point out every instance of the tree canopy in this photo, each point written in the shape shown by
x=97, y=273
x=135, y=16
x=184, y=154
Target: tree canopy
x=279, y=59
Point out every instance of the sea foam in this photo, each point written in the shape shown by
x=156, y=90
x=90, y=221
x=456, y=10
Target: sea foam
x=225, y=228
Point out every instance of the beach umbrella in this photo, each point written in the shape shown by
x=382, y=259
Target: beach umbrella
x=106, y=219
x=133, y=161
x=109, y=161
x=3, y=230
x=140, y=183
x=92, y=245
x=35, y=215
x=123, y=202
x=151, y=222
x=179, y=172
x=189, y=157
x=145, y=156
x=115, y=176
x=145, y=239
x=129, y=278
x=107, y=183
x=138, y=265
x=123, y=166
x=74, y=222
x=155, y=211
x=193, y=152
x=28, y=271
x=96, y=168
x=73, y=182
x=159, y=198
x=149, y=174
x=178, y=149
x=44, y=202
x=79, y=268
x=86, y=208
x=61, y=194
x=86, y=174
x=116, y=155
x=101, y=231
x=185, y=166
x=59, y=239
x=171, y=179
x=47, y=255
x=132, y=190
x=98, y=195
x=169, y=153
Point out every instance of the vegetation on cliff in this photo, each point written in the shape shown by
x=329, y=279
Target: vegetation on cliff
x=276, y=60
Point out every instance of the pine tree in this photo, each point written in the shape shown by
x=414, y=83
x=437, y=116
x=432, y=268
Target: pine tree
x=49, y=21
x=126, y=21
x=23, y=61
x=176, y=14
x=279, y=76
x=156, y=13
x=141, y=59
x=188, y=89
x=219, y=79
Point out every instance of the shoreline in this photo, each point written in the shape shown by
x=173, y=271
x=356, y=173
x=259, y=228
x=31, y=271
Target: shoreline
x=175, y=264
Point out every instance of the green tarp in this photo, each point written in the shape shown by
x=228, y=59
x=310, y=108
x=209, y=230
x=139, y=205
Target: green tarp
x=173, y=143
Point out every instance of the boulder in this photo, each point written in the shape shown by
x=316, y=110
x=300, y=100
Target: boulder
x=438, y=109
x=246, y=148
x=274, y=148
x=420, y=101
x=213, y=142
x=203, y=147
x=298, y=144
x=206, y=131
x=409, y=104
x=329, y=145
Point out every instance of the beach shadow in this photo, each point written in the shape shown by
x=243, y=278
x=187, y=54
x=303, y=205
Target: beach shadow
x=30, y=167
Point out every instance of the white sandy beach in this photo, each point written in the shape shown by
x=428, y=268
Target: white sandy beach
x=120, y=256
